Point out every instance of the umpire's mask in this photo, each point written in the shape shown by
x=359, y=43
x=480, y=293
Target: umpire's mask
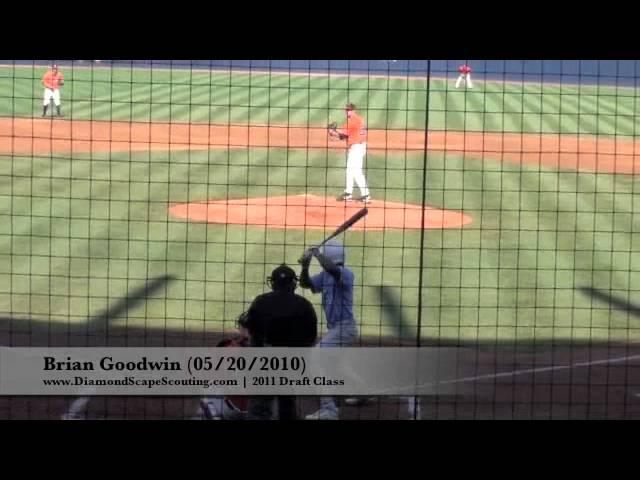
x=283, y=278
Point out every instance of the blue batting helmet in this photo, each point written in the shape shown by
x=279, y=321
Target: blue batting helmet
x=334, y=250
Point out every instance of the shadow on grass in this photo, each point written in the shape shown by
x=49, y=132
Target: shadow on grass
x=614, y=302
x=99, y=330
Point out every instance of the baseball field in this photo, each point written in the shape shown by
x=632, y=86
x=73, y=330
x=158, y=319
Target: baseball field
x=151, y=213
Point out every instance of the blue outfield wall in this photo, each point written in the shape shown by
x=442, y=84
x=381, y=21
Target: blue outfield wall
x=606, y=72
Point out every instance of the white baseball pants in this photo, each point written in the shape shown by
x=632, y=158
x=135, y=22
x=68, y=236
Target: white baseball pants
x=466, y=78
x=49, y=94
x=355, y=162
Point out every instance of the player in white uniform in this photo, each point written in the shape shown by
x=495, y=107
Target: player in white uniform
x=465, y=76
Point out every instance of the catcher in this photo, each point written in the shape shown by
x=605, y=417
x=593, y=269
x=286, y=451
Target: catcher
x=229, y=407
x=355, y=133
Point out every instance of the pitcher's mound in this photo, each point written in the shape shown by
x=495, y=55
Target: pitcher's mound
x=318, y=213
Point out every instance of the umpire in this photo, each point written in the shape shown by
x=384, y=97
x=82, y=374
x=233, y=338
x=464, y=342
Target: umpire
x=280, y=318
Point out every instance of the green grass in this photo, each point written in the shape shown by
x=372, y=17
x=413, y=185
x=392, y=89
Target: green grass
x=78, y=233
x=200, y=96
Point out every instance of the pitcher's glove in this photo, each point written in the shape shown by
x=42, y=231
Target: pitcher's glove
x=333, y=131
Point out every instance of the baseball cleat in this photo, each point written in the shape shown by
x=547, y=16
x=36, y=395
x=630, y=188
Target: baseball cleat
x=206, y=412
x=358, y=401
x=209, y=411
x=364, y=199
x=345, y=197
x=72, y=416
x=322, y=415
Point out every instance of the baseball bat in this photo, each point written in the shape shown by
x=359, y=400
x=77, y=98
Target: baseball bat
x=346, y=225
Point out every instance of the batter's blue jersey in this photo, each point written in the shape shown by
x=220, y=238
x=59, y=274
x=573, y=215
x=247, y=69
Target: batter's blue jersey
x=337, y=297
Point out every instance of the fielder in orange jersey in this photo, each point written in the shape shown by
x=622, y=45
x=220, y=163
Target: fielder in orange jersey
x=52, y=81
x=355, y=133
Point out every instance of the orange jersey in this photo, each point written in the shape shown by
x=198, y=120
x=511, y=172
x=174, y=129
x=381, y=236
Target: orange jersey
x=52, y=80
x=355, y=129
